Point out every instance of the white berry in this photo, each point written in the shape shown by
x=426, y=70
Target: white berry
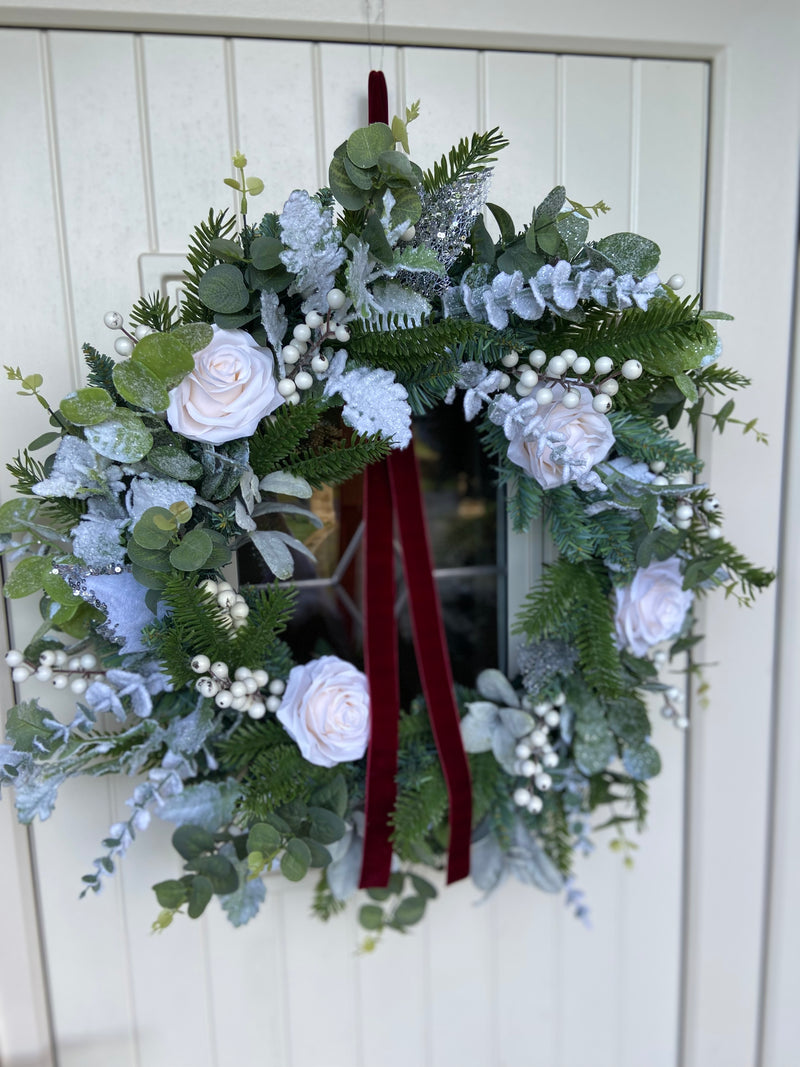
x=523, y=390
x=409, y=234
x=113, y=320
x=571, y=399
x=277, y=686
x=711, y=504
x=569, y=355
x=302, y=332
x=273, y=703
x=14, y=658
x=43, y=674
x=341, y=333
x=336, y=299
x=521, y=797
x=682, y=722
x=714, y=533
x=505, y=381
x=291, y=354
x=543, y=782
x=261, y=677
x=552, y=718
x=538, y=738
x=219, y=670
x=660, y=480
x=314, y=319
x=529, y=378
x=537, y=358
x=557, y=366
x=535, y=805
x=303, y=380
x=683, y=524
x=286, y=387
x=60, y=681
x=658, y=466
x=603, y=365
x=223, y=699
x=123, y=346
x=684, y=511
x=510, y=359
x=676, y=281
x=319, y=364
x=238, y=689
x=141, y=331
x=207, y=687
x=602, y=403
x=239, y=611
x=21, y=674
x=257, y=710
x=522, y=750
x=545, y=396
x=610, y=387
x=550, y=759
x=631, y=369
x=200, y=664
x=582, y=365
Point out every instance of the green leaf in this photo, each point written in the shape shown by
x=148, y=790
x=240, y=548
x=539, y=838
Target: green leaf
x=25, y=727
x=407, y=207
x=686, y=386
x=394, y=165
x=170, y=894
x=573, y=231
x=375, y=236
x=195, y=335
x=152, y=559
x=43, y=440
x=222, y=289
x=641, y=762
x=27, y=577
x=326, y=826
x=410, y=910
x=296, y=860
x=505, y=222
x=263, y=838
x=265, y=252
x=56, y=588
x=199, y=896
x=192, y=841
x=171, y=461
x=123, y=438
x=168, y=356
x=379, y=893
x=193, y=551
x=370, y=916
x=17, y=514
x=254, y=186
x=423, y=887
x=482, y=243
x=281, y=825
x=320, y=857
x=519, y=257
x=147, y=534
x=349, y=195
x=139, y=386
x=595, y=751
x=362, y=179
x=219, y=871
x=86, y=407
x=365, y=145
x=332, y=795
x=224, y=248
x=630, y=253
x=549, y=208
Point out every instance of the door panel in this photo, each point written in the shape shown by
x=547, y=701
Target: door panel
x=131, y=137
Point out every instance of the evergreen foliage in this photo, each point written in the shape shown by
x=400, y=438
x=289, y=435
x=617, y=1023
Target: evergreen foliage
x=62, y=513
x=419, y=348
x=339, y=462
x=202, y=259
x=155, y=311
x=281, y=434
x=100, y=369
x=467, y=157
x=647, y=441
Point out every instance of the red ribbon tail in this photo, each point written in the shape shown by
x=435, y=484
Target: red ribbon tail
x=381, y=665
x=432, y=655
x=378, y=97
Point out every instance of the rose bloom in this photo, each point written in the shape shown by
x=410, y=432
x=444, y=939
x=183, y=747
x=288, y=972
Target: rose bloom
x=652, y=608
x=589, y=437
x=326, y=710
x=231, y=388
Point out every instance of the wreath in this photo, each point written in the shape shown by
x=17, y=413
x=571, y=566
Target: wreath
x=303, y=344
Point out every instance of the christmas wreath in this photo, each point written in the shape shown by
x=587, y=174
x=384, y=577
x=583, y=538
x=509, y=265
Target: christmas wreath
x=303, y=344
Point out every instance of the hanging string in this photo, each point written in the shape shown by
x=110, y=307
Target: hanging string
x=379, y=19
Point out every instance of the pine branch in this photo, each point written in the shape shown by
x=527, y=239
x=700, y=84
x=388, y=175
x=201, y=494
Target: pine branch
x=155, y=311
x=555, y=836
x=419, y=349
x=467, y=157
x=340, y=462
x=100, y=368
x=648, y=442
x=280, y=435
x=720, y=380
x=62, y=513
x=572, y=530
x=202, y=259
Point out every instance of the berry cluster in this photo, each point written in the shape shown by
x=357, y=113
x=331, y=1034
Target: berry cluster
x=569, y=369
x=232, y=605
x=535, y=753
x=123, y=346
x=240, y=693
x=57, y=667
x=305, y=351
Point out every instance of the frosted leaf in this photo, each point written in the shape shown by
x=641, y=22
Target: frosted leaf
x=344, y=872
x=487, y=863
x=374, y=403
x=122, y=601
x=146, y=492
x=243, y=905
x=77, y=471
x=35, y=797
x=479, y=383
x=313, y=253
x=360, y=274
x=395, y=300
x=97, y=541
x=517, y=722
x=188, y=733
x=530, y=864
x=273, y=319
x=493, y=685
x=207, y=804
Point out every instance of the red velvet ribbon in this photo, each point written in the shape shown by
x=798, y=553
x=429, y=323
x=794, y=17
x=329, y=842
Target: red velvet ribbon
x=391, y=488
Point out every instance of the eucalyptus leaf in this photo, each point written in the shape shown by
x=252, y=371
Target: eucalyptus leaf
x=286, y=484
x=169, y=355
x=365, y=145
x=200, y=895
x=573, y=230
x=410, y=910
x=504, y=221
x=407, y=207
x=137, y=384
x=174, y=463
x=264, y=838
x=370, y=916
x=630, y=253
x=27, y=577
x=123, y=438
x=220, y=872
x=192, y=841
x=362, y=179
x=350, y=196
x=195, y=335
x=517, y=722
x=296, y=860
x=641, y=761
x=265, y=252
x=493, y=685
x=170, y=894
x=274, y=553
x=193, y=551
x=222, y=289
x=86, y=407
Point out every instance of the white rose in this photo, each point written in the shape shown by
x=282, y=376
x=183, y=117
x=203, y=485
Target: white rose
x=326, y=710
x=587, y=439
x=231, y=388
x=652, y=608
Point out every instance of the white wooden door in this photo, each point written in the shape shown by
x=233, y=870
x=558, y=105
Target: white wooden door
x=127, y=138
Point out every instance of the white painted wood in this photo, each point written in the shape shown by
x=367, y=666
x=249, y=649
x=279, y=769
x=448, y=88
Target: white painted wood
x=754, y=143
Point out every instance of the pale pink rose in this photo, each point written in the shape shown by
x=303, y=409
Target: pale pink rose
x=652, y=608
x=587, y=440
x=231, y=388
x=326, y=710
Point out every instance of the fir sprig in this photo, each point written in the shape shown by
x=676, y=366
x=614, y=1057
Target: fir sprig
x=467, y=157
x=202, y=259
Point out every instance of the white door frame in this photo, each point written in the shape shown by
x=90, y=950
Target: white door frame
x=739, y=918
